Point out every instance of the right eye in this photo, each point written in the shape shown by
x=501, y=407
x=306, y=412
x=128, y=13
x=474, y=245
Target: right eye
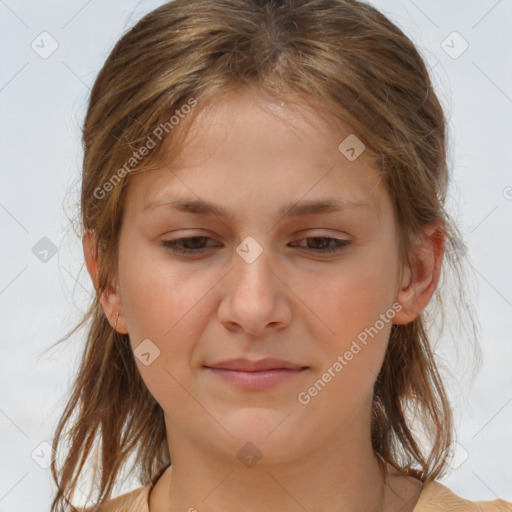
x=189, y=245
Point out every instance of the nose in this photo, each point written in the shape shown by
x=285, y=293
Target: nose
x=255, y=297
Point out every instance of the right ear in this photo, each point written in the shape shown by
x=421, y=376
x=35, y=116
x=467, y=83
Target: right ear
x=110, y=298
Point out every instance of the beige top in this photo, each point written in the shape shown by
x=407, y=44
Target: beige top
x=434, y=497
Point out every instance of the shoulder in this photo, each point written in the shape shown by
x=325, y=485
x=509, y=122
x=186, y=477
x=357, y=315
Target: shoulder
x=436, y=497
x=133, y=501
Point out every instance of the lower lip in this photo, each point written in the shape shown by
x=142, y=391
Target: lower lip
x=256, y=381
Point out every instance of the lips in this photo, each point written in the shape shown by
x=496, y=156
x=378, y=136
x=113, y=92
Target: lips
x=247, y=365
x=255, y=375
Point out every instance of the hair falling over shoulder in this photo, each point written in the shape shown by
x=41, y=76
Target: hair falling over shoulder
x=340, y=55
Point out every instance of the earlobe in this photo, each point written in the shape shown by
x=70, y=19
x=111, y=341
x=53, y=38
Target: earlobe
x=110, y=298
x=421, y=278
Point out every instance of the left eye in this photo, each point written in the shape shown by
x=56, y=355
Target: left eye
x=339, y=244
x=195, y=245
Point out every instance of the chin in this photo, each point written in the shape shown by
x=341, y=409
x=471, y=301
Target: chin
x=265, y=433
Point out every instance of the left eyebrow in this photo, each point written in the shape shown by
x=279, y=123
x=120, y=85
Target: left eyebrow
x=301, y=208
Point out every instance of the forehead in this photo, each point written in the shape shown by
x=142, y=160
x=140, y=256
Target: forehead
x=251, y=117
x=251, y=144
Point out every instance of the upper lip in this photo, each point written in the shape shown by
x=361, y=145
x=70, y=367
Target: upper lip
x=268, y=363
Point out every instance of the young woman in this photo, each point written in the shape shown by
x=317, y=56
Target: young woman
x=263, y=211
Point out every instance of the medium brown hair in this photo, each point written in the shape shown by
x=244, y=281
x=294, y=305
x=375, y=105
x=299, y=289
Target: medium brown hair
x=340, y=55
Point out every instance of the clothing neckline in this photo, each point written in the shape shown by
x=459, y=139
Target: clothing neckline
x=425, y=492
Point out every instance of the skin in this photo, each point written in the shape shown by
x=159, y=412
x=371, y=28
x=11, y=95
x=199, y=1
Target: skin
x=252, y=155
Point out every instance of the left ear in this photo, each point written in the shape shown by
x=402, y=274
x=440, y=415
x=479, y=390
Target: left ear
x=421, y=277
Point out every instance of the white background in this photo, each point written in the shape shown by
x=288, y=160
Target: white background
x=42, y=104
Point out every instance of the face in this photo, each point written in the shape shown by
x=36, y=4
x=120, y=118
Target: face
x=261, y=273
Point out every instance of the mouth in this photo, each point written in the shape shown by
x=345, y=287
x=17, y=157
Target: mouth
x=256, y=375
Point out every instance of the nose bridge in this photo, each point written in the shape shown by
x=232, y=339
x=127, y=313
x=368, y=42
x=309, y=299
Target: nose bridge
x=252, y=261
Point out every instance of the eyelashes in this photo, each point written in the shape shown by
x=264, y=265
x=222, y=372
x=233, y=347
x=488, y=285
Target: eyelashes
x=179, y=245
x=339, y=244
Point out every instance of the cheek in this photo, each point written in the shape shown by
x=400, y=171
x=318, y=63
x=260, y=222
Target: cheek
x=353, y=296
x=162, y=303
x=355, y=302
x=156, y=293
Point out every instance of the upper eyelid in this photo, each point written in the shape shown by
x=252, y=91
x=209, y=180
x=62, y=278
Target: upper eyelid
x=298, y=238
x=343, y=241
x=304, y=233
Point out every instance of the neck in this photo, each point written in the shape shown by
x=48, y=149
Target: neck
x=342, y=476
